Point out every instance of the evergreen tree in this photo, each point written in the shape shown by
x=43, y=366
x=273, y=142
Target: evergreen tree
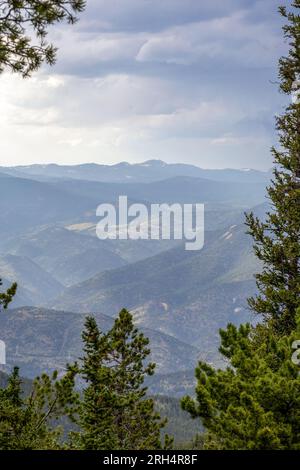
x=255, y=402
x=277, y=241
x=115, y=412
x=27, y=421
x=23, y=31
x=7, y=297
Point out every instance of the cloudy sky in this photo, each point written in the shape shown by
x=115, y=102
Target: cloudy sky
x=177, y=80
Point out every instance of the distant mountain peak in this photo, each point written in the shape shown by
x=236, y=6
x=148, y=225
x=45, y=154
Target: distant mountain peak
x=154, y=162
x=151, y=170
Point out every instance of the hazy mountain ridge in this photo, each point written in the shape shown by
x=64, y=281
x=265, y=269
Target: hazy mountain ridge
x=181, y=189
x=180, y=299
x=35, y=285
x=189, y=295
x=40, y=339
x=26, y=203
x=150, y=170
x=200, y=269
x=54, y=224
x=67, y=255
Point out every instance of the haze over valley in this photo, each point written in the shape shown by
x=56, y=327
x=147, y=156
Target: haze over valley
x=179, y=299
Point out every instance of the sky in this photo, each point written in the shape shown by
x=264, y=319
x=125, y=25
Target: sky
x=177, y=80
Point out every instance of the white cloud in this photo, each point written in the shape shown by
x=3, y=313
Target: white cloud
x=89, y=49
x=54, y=81
x=231, y=38
x=139, y=79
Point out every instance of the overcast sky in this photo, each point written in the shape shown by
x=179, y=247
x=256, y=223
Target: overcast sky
x=177, y=80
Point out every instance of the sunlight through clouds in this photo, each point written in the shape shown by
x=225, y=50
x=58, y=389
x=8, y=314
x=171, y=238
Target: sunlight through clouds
x=150, y=79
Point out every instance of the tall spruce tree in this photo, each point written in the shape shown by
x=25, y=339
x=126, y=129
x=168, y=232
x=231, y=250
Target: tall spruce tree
x=115, y=412
x=277, y=241
x=254, y=403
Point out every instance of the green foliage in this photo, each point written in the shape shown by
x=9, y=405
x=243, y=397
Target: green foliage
x=7, y=297
x=23, y=31
x=255, y=402
x=277, y=241
x=27, y=422
x=115, y=413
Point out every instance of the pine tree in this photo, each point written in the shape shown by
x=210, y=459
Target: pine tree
x=28, y=421
x=255, y=402
x=24, y=28
x=7, y=297
x=115, y=412
x=277, y=241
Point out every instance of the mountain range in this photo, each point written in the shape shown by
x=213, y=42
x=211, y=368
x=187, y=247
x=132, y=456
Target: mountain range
x=180, y=299
x=124, y=172
x=188, y=295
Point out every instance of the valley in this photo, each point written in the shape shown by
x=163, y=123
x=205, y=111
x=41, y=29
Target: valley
x=179, y=299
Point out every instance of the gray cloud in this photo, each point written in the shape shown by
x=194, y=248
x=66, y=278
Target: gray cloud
x=136, y=79
x=155, y=15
